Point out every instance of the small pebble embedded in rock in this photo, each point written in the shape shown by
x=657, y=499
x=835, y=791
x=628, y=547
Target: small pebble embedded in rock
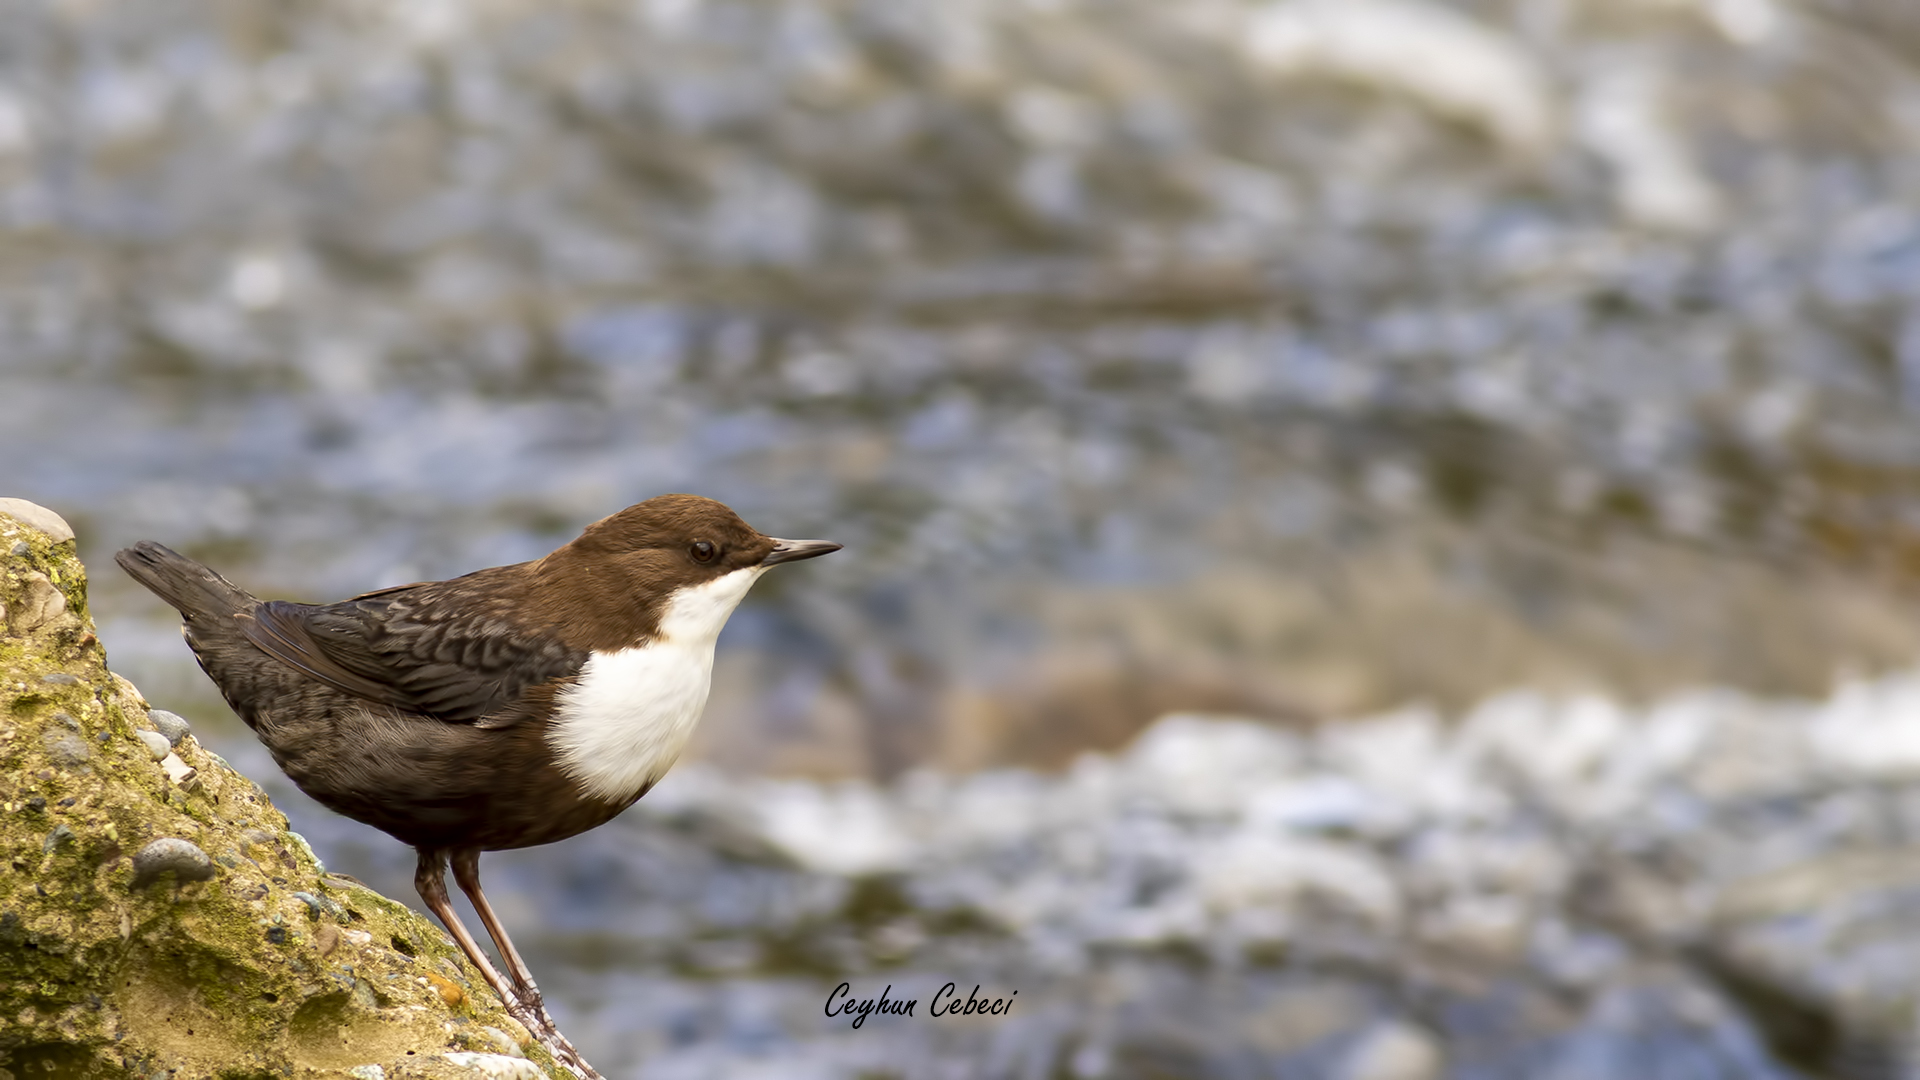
x=67, y=750
x=277, y=935
x=60, y=837
x=172, y=725
x=496, y=1066
x=156, y=744
x=501, y=1041
x=320, y=905
x=307, y=850
x=39, y=605
x=60, y=678
x=35, y=516
x=183, y=857
x=180, y=772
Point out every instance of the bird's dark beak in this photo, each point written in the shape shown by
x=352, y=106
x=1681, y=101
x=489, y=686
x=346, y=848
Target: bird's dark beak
x=795, y=550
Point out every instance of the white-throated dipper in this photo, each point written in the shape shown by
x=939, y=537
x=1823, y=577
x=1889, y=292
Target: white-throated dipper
x=514, y=706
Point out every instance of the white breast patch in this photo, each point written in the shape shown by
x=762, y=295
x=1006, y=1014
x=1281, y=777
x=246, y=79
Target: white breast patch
x=624, y=722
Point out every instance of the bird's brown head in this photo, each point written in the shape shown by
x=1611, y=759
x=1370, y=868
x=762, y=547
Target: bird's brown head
x=625, y=571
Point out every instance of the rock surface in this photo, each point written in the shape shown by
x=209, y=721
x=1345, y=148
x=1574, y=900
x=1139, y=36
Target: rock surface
x=159, y=920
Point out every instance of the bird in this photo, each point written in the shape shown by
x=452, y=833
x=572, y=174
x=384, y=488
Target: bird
x=513, y=706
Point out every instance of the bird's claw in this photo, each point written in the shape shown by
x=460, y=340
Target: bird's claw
x=532, y=1014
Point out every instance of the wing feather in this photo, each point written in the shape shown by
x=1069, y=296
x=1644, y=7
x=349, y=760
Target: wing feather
x=415, y=649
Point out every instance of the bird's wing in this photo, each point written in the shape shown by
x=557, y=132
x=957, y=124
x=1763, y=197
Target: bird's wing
x=400, y=647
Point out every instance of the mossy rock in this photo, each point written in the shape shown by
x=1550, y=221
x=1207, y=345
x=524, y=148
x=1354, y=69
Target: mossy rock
x=235, y=957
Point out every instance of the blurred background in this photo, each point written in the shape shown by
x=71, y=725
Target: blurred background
x=1485, y=425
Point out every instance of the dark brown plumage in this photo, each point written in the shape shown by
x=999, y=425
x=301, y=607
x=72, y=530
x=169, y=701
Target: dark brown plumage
x=429, y=710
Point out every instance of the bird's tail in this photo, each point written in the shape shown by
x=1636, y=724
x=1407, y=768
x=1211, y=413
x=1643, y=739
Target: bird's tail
x=194, y=590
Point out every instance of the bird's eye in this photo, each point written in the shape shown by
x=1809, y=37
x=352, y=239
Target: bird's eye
x=703, y=551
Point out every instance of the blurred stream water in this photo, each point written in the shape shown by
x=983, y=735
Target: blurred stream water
x=1296, y=360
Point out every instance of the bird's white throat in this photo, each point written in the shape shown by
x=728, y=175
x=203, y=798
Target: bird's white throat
x=622, y=724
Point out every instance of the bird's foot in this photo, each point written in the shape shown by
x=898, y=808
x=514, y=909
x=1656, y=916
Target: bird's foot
x=532, y=1014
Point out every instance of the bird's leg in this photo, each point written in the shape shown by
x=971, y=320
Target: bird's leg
x=429, y=879
x=466, y=873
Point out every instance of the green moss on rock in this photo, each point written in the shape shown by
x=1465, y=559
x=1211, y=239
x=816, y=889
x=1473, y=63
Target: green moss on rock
x=267, y=968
